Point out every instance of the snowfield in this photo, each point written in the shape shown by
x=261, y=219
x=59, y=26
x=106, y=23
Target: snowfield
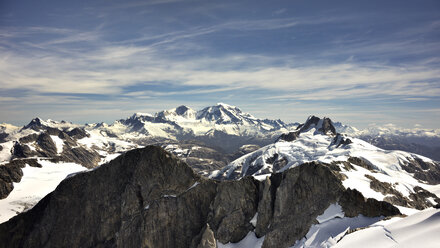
x=421, y=229
x=35, y=184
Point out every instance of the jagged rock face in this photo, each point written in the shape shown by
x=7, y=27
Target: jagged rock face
x=104, y=202
x=35, y=124
x=148, y=198
x=428, y=172
x=297, y=201
x=233, y=207
x=340, y=140
x=291, y=202
x=291, y=136
x=208, y=239
x=78, y=133
x=45, y=147
x=322, y=125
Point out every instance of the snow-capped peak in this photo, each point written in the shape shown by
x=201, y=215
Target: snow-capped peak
x=225, y=114
x=37, y=121
x=177, y=113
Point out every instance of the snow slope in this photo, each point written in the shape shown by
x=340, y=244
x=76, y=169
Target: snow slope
x=34, y=185
x=418, y=230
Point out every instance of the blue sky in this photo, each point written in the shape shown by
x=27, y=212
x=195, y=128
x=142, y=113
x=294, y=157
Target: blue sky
x=90, y=61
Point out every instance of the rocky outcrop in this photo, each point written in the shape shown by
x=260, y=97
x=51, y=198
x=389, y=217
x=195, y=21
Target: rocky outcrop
x=289, y=137
x=78, y=133
x=22, y=151
x=233, y=207
x=45, y=147
x=11, y=173
x=362, y=163
x=3, y=137
x=424, y=171
x=340, y=140
x=207, y=239
x=148, y=198
x=353, y=203
x=323, y=125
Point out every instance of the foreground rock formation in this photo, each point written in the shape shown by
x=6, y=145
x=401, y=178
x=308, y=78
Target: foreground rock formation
x=148, y=198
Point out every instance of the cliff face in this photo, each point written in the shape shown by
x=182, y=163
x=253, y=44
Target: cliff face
x=148, y=198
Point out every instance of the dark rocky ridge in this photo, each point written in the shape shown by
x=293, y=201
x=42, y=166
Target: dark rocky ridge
x=45, y=147
x=324, y=126
x=148, y=198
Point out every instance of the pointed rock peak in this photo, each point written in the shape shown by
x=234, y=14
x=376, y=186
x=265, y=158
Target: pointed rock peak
x=324, y=125
x=183, y=110
x=35, y=123
x=223, y=114
x=102, y=124
x=37, y=120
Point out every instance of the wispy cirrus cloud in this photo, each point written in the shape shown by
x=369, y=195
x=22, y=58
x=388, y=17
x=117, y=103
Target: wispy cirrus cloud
x=266, y=61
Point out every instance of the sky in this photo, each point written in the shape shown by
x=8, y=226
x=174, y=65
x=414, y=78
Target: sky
x=358, y=62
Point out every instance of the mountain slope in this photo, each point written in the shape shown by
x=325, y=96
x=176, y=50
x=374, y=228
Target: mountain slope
x=393, y=176
x=148, y=198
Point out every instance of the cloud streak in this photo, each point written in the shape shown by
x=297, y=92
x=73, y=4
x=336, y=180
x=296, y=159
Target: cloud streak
x=51, y=65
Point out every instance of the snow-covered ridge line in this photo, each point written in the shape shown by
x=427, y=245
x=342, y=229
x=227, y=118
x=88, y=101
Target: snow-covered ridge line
x=394, y=176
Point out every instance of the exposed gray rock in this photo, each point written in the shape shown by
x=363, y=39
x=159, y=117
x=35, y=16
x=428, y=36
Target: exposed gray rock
x=427, y=172
x=208, y=239
x=323, y=125
x=277, y=162
x=29, y=138
x=232, y=209
x=22, y=151
x=353, y=204
x=291, y=136
x=148, y=198
x=340, y=140
x=78, y=133
x=362, y=163
x=11, y=173
x=304, y=192
x=291, y=201
x=3, y=137
x=419, y=198
x=79, y=155
x=46, y=145
x=46, y=148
